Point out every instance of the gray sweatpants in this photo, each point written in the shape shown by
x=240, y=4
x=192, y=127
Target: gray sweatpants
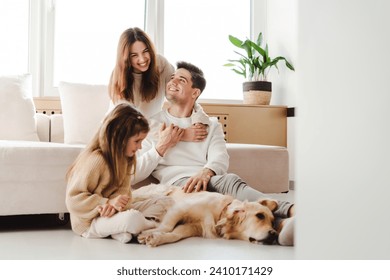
x=233, y=185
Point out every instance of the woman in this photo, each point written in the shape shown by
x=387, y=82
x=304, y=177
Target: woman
x=140, y=76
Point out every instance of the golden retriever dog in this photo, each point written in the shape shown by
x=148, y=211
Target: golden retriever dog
x=209, y=215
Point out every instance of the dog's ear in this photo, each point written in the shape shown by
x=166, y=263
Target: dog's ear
x=270, y=203
x=221, y=223
x=235, y=207
x=220, y=227
x=238, y=209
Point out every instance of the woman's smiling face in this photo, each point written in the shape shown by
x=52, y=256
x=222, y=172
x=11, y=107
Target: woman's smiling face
x=139, y=57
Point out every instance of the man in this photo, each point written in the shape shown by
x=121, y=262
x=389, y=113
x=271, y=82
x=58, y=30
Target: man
x=198, y=166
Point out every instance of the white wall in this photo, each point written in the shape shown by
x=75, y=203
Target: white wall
x=282, y=37
x=343, y=127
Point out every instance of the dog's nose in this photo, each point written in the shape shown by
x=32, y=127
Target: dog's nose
x=273, y=232
x=272, y=236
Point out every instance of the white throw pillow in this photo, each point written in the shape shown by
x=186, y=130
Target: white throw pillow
x=17, y=114
x=84, y=108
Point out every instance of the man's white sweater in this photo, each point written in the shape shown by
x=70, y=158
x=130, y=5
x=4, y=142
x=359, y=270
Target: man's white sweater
x=186, y=158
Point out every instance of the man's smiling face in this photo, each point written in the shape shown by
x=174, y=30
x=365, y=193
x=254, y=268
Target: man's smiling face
x=179, y=88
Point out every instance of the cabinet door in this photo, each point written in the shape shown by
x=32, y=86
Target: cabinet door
x=265, y=125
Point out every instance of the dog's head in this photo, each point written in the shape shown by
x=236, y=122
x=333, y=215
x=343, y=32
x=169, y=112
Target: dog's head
x=249, y=221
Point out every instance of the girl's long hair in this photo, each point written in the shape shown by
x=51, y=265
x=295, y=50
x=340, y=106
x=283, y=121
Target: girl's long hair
x=123, y=122
x=122, y=80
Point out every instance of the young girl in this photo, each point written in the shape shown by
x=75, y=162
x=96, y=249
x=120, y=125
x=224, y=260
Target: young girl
x=98, y=194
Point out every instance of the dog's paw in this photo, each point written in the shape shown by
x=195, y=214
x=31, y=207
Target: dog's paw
x=142, y=238
x=151, y=239
x=154, y=239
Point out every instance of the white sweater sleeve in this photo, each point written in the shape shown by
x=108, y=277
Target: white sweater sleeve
x=199, y=115
x=217, y=155
x=148, y=157
x=147, y=161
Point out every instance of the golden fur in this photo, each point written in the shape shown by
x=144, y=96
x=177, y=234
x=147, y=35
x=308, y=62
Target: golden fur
x=208, y=215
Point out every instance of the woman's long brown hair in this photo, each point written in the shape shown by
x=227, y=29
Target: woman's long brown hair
x=122, y=80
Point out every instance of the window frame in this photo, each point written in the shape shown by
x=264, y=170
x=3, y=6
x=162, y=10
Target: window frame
x=41, y=43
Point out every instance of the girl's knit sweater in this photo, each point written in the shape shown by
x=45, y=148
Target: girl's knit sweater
x=88, y=189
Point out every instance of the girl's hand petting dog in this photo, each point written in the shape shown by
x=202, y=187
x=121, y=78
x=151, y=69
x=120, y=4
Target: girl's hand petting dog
x=119, y=202
x=106, y=210
x=116, y=204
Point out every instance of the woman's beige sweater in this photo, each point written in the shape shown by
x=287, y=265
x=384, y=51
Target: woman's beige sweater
x=88, y=189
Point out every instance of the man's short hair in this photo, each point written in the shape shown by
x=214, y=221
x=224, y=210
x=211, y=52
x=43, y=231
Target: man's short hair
x=198, y=80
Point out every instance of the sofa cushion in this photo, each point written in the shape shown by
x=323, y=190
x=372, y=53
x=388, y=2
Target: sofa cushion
x=263, y=167
x=57, y=128
x=43, y=127
x=17, y=114
x=32, y=176
x=83, y=108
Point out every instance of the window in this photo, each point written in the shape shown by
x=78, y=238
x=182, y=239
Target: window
x=76, y=41
x=197, y=32
x=86, y=37
x=14, y=30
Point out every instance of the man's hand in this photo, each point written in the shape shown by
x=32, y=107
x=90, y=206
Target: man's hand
x=195, y=133
x=199, y=181
x=169, y=136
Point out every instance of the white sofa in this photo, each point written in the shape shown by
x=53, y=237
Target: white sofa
x=32, y=173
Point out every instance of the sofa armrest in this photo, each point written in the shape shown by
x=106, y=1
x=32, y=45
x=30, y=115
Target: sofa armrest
x=43, y=127
x=265, y=168
x=57, y=128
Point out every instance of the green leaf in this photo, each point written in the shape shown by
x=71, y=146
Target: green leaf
x=259, y=40
x=258, y=48
x=289, y=65
x=240, y=54
x=240, y=73
x=246, y=45
x=257, y=62
x=235, y=41
x=266, y=57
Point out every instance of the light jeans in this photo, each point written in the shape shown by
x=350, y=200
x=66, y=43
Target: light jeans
x=142, y=216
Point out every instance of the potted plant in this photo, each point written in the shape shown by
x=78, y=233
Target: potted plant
x=255, y=65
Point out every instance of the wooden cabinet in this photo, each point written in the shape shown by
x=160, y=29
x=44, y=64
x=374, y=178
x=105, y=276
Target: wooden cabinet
x=251, y=124
x=48, y=105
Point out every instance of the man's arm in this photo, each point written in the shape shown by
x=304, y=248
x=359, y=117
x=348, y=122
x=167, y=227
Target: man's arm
x=217, y=162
